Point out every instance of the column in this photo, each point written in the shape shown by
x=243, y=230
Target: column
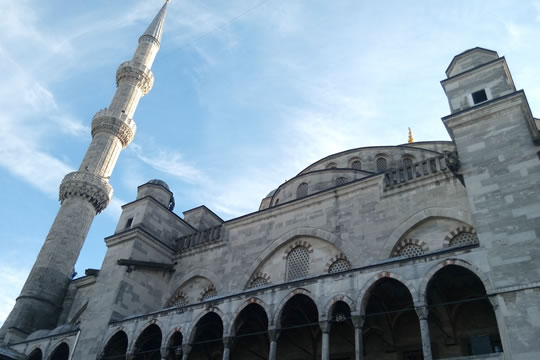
x=186, y=348
x=325, y=351
x=358, y=322
x=423, y=313
x=494, y=300
x=273, y=335
x=227, y=342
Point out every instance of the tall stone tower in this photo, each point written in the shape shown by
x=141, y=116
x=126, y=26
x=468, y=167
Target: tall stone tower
x=85, y=193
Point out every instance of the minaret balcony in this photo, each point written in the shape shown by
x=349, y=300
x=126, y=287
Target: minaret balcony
x=95, y=189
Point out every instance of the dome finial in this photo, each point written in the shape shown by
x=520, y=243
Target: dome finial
x=411, y=140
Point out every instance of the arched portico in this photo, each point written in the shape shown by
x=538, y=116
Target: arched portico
x=116, y=347
x=36, y=354
x=61, y=352
x=249, y=335
x=461, y=319
x=148, y=344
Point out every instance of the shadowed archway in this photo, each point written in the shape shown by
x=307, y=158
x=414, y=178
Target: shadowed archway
x=116, y=347
x=461, y=318
x=300, y=333
x=341, y=332
x=392, y=328
x=147, y=346
x=60, y=353
x=35, y=355
x=207, y=343
x=250, y=338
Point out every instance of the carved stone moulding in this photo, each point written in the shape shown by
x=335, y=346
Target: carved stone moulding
x=105, y=121
x=139, y=74
x=90, y=187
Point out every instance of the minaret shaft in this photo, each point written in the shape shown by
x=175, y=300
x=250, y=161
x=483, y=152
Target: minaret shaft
x=84, y=194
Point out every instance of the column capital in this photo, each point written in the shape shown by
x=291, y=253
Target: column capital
x=494, y=302
x=325, y=326
x=358, y=321
x=227, y=341
x=423, y=312
x=273, y=333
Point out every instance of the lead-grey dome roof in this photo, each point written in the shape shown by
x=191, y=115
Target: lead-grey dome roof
x=159, y=182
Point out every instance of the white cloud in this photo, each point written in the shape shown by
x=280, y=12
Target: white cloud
x=167, y=161
x=12, y=279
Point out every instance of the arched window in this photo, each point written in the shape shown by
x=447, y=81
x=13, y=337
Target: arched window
x=411, y=250
x=331, y=165
x=381, y=163
x=339, y=266
x=407, y=161
x=298, y=263
x=464, y=238
x=356, y=165
x=341, y=180
x=301, y=190
x=258, y=282
x=208, y=294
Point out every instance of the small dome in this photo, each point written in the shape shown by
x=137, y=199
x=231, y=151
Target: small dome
x=271, y=193
x=159, y=182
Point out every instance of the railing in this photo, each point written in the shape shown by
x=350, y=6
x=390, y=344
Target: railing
x=200, y=238
x=421, y=169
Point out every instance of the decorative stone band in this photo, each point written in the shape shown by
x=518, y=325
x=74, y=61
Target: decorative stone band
x=204, y=237
x=139, y=74
x=121, y=126
x=90, y=187
x=149, y=39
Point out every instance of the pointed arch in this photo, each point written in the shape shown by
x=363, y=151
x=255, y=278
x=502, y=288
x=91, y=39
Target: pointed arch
x=422, y=289
x=36, y=354
x=252, y=300
x=190, y=333
x=277, y=314
x=326, y=312
x=288, y=237
x=60, y=352
x=399, y=232
x=363, y=296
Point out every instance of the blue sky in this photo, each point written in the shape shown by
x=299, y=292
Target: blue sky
x=247, y=93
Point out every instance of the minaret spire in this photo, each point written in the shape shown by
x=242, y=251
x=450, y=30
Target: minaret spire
x=84, y=193
x=155, y=29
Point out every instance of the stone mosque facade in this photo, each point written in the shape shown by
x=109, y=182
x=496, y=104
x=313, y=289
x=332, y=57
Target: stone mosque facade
x=425, y=250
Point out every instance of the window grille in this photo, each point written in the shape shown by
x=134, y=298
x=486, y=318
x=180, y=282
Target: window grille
x=411, y=250
x=180, y=301
x=464, y=238
x=298, y=263
x=381, y=164
x=301, y=190
x=339, y=266
x=341, y=180
x=258, y=282
x=356, y=165
x=209, y=294
x=407, y=162
x=331, y=165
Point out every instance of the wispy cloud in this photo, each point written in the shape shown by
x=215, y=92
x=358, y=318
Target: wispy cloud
x=167, y=161
x=11, y=282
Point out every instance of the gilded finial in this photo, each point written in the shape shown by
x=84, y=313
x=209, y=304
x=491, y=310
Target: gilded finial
x=411, y=140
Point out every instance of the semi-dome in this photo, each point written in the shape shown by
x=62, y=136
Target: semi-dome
x=159, y=182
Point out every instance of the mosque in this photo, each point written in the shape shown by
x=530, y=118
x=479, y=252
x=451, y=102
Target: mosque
x=424, y=250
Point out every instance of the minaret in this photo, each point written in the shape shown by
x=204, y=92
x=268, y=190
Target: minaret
x=85, y=193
